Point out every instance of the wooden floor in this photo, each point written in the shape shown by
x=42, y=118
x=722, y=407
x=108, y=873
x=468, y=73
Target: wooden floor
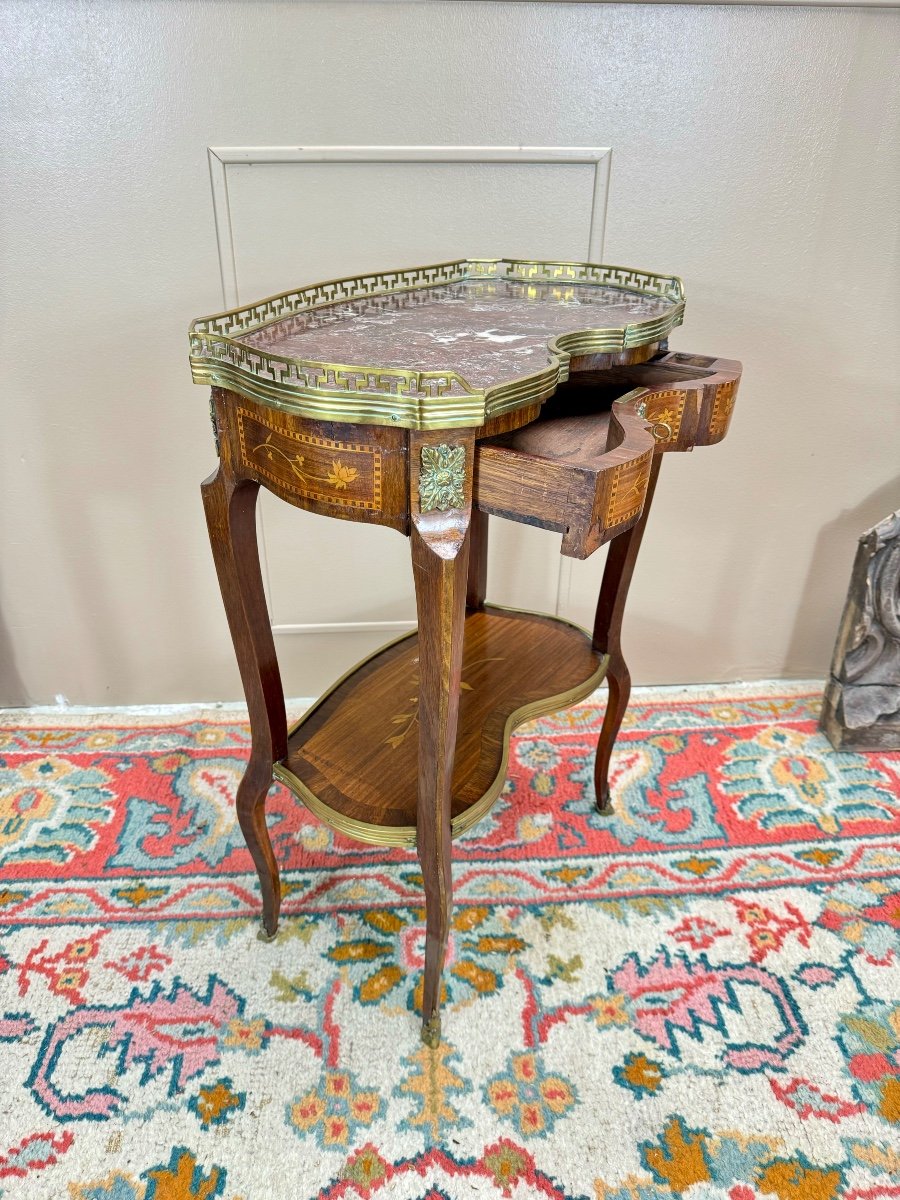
x=356, y=750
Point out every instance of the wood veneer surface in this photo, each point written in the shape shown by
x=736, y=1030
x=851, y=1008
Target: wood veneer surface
x=576, y=438
x=357, y=751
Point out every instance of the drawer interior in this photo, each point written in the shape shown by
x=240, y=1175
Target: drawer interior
x=568, y=470
x=574, y=425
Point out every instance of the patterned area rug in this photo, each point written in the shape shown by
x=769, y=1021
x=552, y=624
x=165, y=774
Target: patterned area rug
x=699, y=996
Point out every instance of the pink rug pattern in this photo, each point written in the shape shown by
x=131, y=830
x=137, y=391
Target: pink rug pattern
x=698, y=996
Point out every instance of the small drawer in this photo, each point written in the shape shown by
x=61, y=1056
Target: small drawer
x=687, y=398
x=582, y=468
x=357, y=472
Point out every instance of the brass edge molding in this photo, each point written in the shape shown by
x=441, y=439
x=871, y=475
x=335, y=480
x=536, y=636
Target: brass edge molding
x=360, y=831
x=411, y=412
x=421, y=400
x=405, y=835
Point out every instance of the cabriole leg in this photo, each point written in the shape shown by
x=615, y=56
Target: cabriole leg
x=440, y=475
x=617, y=573
x=231, y=518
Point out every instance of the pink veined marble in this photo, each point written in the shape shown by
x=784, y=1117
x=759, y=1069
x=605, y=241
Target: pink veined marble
x=486, y=331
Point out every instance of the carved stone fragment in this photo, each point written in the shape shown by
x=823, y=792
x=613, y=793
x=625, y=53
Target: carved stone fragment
x=862, y=696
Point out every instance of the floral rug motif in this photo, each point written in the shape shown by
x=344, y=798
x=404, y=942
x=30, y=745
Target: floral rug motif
x=696, y=997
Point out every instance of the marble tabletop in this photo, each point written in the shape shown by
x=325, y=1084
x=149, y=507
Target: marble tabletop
x=445, y=345
x=484, y=330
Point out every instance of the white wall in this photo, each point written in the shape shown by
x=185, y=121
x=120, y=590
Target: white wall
x=754, y=154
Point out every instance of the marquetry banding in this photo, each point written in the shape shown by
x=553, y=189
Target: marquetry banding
x=722, y=406
x=627, y=489
x=346, y=474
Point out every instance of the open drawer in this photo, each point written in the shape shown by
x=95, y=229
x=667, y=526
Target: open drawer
x=584, y=465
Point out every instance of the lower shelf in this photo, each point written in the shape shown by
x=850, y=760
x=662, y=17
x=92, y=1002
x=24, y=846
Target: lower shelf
x=353, y=758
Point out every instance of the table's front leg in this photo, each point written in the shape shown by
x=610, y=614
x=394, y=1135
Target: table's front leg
x=617, y=573
x=440, y=506
x=230, y=505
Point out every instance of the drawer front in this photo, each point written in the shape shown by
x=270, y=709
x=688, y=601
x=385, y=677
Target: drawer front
x=665, y=410
x=350, y=471
x=584, y=475
x=347, y=474
x=696, y=413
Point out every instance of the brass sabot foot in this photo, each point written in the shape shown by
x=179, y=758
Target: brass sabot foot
x=604, y=804
x=263, y=934
x=431, y=1031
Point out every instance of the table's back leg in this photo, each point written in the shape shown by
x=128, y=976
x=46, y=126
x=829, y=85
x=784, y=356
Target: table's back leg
x=440, y=540
x=230, y=506
x=476, y=587
x=617, y=573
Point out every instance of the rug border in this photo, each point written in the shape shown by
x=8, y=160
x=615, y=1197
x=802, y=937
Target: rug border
x=234, y=712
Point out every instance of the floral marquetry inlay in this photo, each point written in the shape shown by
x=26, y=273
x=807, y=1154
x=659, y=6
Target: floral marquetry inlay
x=442, y=477
x=347, y=474
x=666, y=410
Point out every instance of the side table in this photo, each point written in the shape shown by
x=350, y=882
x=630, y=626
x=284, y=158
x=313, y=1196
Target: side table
x=426, y=400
